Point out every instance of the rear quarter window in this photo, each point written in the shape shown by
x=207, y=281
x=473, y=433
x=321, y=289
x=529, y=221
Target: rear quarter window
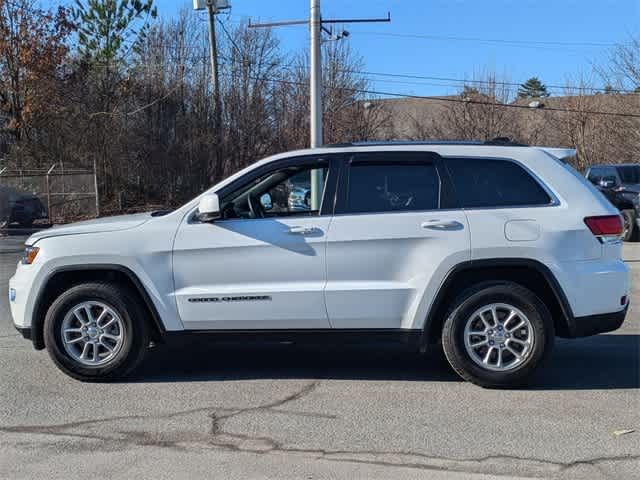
x=481, y=182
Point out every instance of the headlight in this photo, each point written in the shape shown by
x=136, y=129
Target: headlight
x=29, y=255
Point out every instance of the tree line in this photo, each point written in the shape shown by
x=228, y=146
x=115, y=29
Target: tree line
x=107, y=85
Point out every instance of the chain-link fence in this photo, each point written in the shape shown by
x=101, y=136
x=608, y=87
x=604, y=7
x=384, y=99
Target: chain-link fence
x=55, y=195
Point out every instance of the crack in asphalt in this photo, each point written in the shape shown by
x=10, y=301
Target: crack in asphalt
x=218, y=437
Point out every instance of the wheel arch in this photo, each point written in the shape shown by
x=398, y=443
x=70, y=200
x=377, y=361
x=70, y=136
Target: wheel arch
x=529, y=273
x=63, y=278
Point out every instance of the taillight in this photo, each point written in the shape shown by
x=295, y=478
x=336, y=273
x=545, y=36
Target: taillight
x=606, y=225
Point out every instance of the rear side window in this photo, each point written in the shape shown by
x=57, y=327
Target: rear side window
x=629, y=173
x=483, y=182
x=389, y=187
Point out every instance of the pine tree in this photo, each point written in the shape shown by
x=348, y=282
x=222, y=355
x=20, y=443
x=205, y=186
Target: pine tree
x=533, y=88
x=108, y=28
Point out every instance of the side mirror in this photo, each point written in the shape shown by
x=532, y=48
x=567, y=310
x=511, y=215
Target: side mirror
x=266, y=202
x=209, y=208
x=608, y=182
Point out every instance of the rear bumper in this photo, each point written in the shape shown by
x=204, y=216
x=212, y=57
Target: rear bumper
x=594, y=324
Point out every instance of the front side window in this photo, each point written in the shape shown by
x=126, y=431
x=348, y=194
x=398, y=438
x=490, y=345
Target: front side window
x=490, y=183
x=389, y=187
x=285, y=192
x=597, y=174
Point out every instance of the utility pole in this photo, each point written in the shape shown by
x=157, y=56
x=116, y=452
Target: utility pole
x=213, y=57
x=316, y=27
x=213, y=7
x=315, y=75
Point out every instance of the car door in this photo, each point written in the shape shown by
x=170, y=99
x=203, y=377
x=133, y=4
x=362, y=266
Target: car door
x=258, y=272
x=392, y=240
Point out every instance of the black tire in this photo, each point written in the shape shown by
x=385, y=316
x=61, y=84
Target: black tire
x=630, y=227
x=133, y=317
x=470, y=301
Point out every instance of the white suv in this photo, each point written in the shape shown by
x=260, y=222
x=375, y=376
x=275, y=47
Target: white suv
x=491, y=249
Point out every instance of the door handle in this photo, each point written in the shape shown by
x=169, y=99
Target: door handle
x=447, y=225
x=302, y=230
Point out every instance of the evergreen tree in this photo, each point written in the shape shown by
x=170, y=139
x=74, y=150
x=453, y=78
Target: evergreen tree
x=109, y=28
x=533, y=88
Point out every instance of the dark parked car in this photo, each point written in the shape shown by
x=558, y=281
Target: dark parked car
x=19, y=207
x=621, y=185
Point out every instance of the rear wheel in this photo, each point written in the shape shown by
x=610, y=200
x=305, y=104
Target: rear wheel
x=630, y=229
x=96, y=332
x=497, y=335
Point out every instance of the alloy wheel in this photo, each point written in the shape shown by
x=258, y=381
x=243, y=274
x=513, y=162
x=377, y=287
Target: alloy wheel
x=498, y=337
x=92, y=333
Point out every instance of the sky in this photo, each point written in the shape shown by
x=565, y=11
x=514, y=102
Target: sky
x=555, y=40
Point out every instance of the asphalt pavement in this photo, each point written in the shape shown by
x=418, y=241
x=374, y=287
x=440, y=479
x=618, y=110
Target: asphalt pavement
x=291, y=412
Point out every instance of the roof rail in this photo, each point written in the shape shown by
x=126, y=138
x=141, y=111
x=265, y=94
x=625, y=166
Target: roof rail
x=382, y=143
x=504, y=142
x=498, y=142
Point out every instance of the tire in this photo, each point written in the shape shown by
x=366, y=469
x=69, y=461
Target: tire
x=630, y=227
x=507, y=297
x=130, y=326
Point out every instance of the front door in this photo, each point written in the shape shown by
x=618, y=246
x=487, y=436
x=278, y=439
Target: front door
x=263, y=264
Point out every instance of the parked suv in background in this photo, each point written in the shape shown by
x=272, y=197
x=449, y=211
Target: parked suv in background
x=20, y=207
x=620, y=183
x=492, y=250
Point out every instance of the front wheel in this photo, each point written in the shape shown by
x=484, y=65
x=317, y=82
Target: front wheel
x=96, y=332
x=497, y=335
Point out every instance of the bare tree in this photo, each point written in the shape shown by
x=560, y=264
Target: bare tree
x=350, y=113
x=478, y=112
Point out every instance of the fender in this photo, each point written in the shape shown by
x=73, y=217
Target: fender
x=487, y=264
x=38, y=313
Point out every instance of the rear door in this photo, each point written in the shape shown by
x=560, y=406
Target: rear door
x=393, y=238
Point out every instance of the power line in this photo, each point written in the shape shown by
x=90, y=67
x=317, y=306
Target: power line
x=550, y=43
x=240, y=18
x=486, y=82
x=452, y=100
x=369, y=75
x=458, y=81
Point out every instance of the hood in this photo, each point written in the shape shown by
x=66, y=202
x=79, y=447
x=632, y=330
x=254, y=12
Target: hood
x=100, y=225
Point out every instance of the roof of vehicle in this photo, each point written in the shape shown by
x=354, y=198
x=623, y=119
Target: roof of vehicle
x=500, y=142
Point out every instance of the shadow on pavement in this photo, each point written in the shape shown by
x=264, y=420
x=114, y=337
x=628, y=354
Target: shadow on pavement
x=601, y=362
x=217, y=362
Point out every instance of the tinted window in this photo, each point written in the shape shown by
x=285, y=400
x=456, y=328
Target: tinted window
x=598, y=173
x=375, y=187
x=629, y=173
x=494, y=183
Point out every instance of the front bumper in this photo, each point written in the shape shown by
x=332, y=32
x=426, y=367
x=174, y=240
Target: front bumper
x=594, y=324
